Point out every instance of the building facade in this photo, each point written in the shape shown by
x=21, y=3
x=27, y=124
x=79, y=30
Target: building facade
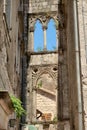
x=70, y=17
x=11, y=31
x=52, y=83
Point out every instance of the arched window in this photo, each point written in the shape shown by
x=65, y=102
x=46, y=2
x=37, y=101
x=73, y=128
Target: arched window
x=46, y=98
x=51, y=36
x=38, y=37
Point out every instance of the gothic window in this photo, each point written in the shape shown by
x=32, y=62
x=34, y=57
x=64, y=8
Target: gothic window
x=46, y=97
x=51, y=36
x=38, y=37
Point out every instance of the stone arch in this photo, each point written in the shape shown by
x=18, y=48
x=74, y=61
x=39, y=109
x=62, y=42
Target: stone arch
x=55, y=20
x=45, y=72
x=46, y=94
x=54, y=17
x=38, y=19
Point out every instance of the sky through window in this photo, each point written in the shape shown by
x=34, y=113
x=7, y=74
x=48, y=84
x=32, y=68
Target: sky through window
x=39, y=36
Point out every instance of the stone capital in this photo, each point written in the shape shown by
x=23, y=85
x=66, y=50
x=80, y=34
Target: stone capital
x=31, y=29
x=44, y=27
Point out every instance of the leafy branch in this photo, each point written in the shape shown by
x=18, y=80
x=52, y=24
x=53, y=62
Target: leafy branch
x=17, y=105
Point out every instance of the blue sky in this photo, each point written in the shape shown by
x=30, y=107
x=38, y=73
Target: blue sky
x=39, y=39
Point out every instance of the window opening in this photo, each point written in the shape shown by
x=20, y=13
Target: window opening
x=51, y=36
x=38, y=37
x=46, y=109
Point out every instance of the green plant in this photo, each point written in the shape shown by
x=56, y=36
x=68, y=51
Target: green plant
x=55, y=119
x=17, y=105
x=39, y=85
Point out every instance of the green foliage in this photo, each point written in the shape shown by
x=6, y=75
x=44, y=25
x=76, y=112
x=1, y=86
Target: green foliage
x=17, y=105
x=39, y=85
x=55, y=119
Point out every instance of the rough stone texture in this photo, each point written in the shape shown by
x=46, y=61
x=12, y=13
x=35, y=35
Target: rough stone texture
x=68, y=88
x=9, y=76
x=82, y=15
x=46, y=104
x=72, y=68
x=38, y=6
x=3, y=119
x=42, y=70
x=5, y=82
x=40, y=10
x=41, y=66
x=8, y=52
x=44, y=59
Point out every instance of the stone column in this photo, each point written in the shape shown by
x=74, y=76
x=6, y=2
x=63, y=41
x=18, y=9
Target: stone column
x=31, y=39
x=34, y=102
x=57, y=38
x=44, y=30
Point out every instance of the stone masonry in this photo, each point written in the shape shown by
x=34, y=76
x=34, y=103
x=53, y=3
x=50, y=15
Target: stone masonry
x=38, y=6
x=42, y=71
x=48, y=79
x=10, y=33
x=44, y=11
x=67, y=74
x=82, y=15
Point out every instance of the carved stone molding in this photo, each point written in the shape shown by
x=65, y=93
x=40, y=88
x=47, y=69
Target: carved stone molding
x=44, y=19
x=40, y=70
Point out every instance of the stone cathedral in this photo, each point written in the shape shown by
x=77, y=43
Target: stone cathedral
x=51, y=83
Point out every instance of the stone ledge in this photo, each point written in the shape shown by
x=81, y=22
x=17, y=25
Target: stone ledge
x=41, y=52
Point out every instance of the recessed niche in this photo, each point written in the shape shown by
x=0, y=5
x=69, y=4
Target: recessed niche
x=55, y=69
x=46, y=97
x=35, y=70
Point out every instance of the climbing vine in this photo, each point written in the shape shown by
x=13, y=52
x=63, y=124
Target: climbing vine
x=17, y=105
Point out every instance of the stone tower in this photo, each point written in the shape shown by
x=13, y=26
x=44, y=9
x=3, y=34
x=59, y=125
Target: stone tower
x=53, y=91
x=42, y=71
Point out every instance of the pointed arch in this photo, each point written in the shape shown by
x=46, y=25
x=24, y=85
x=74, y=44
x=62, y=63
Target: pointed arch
x=51, y=35
x=38, y=36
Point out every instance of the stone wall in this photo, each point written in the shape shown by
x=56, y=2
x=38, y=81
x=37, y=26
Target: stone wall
x=4, y=78
x=82, y=15
x=9, y=76
x=42, y=77
x=51, y=58
x=4, y=118
x=46, y=104
x=9, y=47
x=38, y=6
x=68, y=88
x=72, y=67
x=82, y=19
